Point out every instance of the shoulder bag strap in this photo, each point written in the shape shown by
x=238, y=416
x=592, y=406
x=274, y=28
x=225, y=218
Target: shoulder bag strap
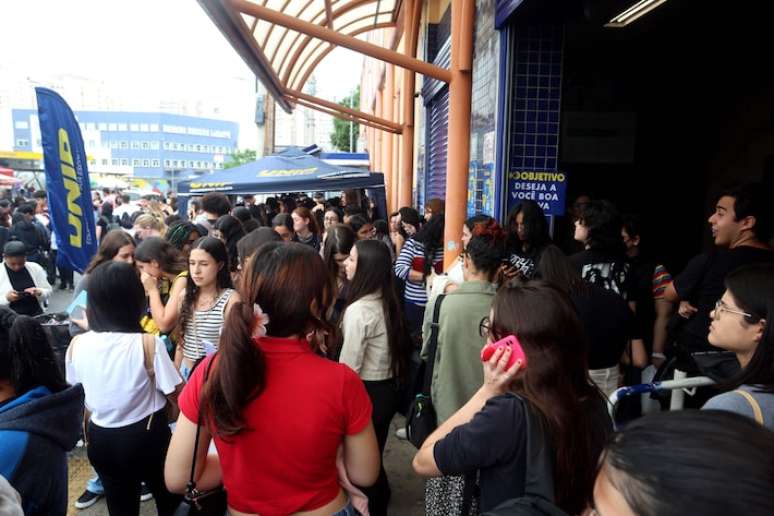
x=756, y=408
x=432, y=345
x=191, y=487
x=149, y=353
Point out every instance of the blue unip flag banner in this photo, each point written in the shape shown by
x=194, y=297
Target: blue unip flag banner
x=67, y=181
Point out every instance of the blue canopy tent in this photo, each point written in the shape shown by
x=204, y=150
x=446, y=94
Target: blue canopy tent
x=291, y=171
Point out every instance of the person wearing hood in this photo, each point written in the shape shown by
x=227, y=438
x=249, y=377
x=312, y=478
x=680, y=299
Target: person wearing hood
x=23, y=284
x=40, y=416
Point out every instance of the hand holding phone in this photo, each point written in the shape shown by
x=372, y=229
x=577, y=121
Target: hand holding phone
x=517, y=352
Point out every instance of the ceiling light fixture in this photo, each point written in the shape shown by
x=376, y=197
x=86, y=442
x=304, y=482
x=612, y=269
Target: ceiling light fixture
x=634, y=13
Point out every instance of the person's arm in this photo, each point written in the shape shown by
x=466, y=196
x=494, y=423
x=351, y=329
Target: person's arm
x=670, y=293
x=177, y=468
x=42, y=288
x=9, y=294
x=354, y=327
x=403, y=262
x=165, y=317
x=361, y=456
x=664, y=310
x=496, y=381
x=636, y=347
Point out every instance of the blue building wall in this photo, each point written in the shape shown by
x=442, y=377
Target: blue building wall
x=155, y=145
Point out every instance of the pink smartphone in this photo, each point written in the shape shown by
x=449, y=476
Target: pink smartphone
x=517, y=352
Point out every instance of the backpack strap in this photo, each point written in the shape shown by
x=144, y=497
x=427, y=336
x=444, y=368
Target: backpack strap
x=432, y=345
x=756, y=408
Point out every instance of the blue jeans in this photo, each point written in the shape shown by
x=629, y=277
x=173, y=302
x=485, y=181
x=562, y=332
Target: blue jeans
x=94, y=484
x=185, y=371
x=348, y=510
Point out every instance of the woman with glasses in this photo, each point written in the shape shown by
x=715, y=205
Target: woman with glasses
x=457, y=370
x=742, y=323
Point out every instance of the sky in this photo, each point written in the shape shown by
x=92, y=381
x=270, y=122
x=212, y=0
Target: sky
x=146, y=49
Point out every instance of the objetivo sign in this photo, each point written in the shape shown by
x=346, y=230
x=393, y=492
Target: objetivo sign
x=548, y=189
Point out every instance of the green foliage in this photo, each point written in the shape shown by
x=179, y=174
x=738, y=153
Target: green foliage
x=345, y=133
x=240, y=158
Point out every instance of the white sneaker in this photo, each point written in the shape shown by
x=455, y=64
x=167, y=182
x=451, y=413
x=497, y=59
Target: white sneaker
x=400, y=433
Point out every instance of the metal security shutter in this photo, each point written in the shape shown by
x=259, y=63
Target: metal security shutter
x=437, y=138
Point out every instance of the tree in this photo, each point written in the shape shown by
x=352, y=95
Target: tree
x=240, y=158
x=345, y=133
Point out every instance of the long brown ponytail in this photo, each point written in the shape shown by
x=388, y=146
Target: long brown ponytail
x=290, y=284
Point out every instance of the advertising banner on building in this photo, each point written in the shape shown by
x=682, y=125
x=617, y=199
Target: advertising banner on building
x=548, y=189
x=67, y=181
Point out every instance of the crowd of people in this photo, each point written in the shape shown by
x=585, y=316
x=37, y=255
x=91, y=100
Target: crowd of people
x=255, y=354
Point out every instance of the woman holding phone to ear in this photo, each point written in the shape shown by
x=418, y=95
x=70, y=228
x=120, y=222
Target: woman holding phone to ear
x=488, y=434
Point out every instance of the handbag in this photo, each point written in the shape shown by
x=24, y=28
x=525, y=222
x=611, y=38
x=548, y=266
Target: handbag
x=212, y=502
x=421, y=419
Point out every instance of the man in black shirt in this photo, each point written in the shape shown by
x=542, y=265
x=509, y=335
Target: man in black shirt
x=741, y=227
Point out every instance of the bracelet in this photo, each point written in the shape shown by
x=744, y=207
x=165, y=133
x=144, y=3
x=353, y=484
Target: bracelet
x=658, y=355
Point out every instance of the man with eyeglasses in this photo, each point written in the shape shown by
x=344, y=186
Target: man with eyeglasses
x=741, y=227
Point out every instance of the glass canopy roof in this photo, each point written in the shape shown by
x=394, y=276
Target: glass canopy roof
x=283, y=58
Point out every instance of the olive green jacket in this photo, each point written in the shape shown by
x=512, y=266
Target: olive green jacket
x=458, y=372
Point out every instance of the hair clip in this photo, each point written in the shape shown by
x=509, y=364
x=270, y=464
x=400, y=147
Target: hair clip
x=260, y=320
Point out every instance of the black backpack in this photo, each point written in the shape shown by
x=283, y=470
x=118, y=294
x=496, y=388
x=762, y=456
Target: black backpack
x=126, y=221
x=111, y=224
x=538, y=499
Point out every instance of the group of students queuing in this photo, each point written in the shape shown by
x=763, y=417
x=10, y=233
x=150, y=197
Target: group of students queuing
x=280, y=339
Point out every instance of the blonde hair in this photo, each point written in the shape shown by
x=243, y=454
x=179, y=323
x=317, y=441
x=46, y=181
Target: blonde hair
x=148, y=221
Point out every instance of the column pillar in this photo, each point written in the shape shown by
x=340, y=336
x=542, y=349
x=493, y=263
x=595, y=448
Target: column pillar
x=462, y=24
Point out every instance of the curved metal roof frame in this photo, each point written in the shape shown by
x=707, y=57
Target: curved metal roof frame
x=282, y=58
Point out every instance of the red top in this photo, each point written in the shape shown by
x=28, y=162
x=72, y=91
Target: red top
x=285, y=461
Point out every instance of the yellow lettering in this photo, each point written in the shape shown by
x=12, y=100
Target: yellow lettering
x=76, y=239
x=287, y=172
x=70, y=180
x=65, y=154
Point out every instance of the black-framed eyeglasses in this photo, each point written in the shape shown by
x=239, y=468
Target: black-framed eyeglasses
x=484, y=327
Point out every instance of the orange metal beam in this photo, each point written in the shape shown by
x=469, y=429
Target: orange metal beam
x=293, y=83
x=316, y=19
x=329, y=14
x=349, y=42
x=387, y=124
x=458, y=159
x=337, y=114
x=412, y=15
x=282, y=38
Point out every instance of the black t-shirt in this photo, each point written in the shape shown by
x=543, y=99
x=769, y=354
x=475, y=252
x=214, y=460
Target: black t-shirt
x=604, y=270
x=642, y=270
x=26, y=305
x=609, y=325
x=494, y=443
x=525, y=262
x=702, y=284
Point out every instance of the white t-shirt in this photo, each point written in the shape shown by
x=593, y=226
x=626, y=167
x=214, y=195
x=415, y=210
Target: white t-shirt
x=111, y=367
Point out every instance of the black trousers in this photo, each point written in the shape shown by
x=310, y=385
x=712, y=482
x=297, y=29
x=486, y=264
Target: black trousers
x=126, y=456
x=384, y=398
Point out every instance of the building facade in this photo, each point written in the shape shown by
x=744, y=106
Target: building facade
x=156, y=146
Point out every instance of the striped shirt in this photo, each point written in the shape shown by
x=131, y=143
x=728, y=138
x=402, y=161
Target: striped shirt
x=203, y=330
x=412, y=257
